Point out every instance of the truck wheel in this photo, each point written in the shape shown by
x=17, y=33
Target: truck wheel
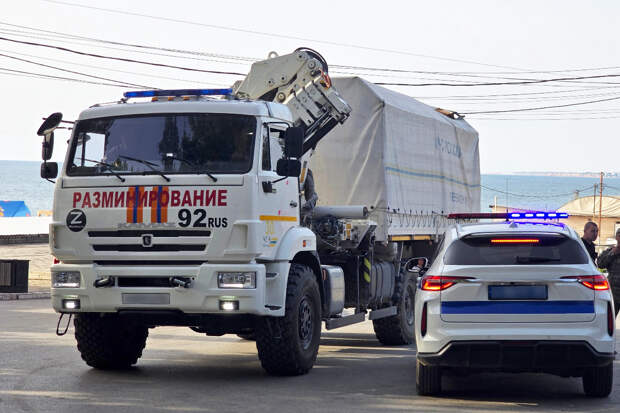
x=250, y=336
x=399, y=329
x=288, y=345
x=598, y=381
x=427, y=379
x=109, y=342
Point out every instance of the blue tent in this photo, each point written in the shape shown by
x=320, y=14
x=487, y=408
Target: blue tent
x=14, y=209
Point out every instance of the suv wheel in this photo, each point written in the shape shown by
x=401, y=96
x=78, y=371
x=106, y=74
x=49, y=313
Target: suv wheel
x=427, y=379
x=598, y=381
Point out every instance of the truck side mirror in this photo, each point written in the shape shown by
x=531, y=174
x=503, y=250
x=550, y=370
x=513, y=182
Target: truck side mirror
x=47, y=147
x=47, y=131
x=50, y=124
x=294, y=142
x=49, y=170
x=417, y=264
x=288, y=167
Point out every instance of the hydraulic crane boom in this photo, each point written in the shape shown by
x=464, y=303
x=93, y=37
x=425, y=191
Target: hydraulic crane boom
x=301, y=81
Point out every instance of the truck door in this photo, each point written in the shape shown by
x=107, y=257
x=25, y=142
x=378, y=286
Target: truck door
x=278, y=203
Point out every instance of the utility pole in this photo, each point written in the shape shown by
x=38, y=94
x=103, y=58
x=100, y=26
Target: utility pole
x=594, y=202
x=600, y=210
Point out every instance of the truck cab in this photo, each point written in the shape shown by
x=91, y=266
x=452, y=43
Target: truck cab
x=156, y=193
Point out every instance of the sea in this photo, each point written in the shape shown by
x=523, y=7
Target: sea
x=20, y=181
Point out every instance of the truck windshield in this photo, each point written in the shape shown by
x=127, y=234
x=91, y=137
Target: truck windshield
x=171, y=143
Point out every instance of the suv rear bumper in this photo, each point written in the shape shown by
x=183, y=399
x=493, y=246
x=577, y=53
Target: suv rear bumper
x=533, y=356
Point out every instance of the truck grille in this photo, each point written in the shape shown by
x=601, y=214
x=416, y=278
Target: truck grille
x=160, y=240
x=155, y=233
x=154, y=248
x=163, y=282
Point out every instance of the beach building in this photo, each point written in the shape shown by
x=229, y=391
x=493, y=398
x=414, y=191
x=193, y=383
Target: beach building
x=584, y=209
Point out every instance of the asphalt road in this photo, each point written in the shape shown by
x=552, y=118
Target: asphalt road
x=182, y=371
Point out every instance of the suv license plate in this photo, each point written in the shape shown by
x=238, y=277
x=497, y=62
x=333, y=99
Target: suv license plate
x=517, y=292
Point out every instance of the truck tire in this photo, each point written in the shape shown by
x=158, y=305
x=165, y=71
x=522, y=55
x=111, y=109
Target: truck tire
x=399, y=329
x=109, y=342
x=598, y=381
x=288, y=346
x=427, y=379
x=250, y=336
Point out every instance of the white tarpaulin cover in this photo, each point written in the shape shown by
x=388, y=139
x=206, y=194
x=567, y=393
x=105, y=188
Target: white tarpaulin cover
x=589, y=206
x=399, y=156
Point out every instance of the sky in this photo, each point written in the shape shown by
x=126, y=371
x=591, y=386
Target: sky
x=458, y=42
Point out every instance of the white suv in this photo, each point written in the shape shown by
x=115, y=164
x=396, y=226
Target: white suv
x=514, y=297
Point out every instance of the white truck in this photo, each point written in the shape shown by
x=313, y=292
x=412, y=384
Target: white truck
x=181, y=208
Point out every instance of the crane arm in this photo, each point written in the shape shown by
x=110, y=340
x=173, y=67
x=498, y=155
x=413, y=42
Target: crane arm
x=301, y=81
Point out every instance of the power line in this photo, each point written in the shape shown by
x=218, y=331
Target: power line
x=547, y=119
x=546, y=92
x=114, y=70
x=74, y=72
x=539, y=196
x=541, y=107
x=523, y=82
x=122, y=59
x=609, y=186
x=45, y=76
x=245, y=59
x=55, y=34
x=279, y=36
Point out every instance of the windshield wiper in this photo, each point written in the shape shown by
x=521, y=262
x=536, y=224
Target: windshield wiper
x=185, y=161
x=151, y=165
x=528, y=260
x=108, y=168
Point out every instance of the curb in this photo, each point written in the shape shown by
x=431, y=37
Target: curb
x=16, y=239
x=24, y=296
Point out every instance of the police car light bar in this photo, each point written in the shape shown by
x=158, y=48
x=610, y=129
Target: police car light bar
x=509, y=215
x=177, y=92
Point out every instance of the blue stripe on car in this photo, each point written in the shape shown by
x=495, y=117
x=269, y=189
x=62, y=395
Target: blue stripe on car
x=517, y=307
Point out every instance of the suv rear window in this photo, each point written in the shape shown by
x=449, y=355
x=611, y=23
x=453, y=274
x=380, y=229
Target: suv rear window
x=513, y=249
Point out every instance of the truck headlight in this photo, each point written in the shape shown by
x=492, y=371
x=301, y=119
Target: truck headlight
x=66, y=279
x=236, y=279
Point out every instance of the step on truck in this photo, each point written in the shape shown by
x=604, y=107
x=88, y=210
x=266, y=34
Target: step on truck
x=198, y=208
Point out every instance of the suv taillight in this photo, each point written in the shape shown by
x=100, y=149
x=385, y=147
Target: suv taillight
x=593, y=282
x=439, y=283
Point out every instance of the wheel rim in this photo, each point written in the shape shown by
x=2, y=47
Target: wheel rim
x=306, y=322
x=409, y=306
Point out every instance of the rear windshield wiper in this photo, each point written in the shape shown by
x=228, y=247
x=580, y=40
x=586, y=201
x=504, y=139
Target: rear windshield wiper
x=108, y=168
x=185, y=161
x=150, y=165
x=529, y=260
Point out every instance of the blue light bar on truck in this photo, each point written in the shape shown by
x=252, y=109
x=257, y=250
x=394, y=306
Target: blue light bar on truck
x=509, y=215
x=177, y=92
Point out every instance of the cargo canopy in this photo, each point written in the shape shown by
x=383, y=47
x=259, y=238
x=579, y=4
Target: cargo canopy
x=405, y=159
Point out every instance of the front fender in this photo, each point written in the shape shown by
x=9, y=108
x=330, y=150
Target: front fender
x=296, y=239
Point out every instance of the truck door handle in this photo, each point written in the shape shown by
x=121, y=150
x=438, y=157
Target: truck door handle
x=293, y=204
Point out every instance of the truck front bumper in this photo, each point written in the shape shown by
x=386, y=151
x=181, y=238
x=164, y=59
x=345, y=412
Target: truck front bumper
x=202, y=297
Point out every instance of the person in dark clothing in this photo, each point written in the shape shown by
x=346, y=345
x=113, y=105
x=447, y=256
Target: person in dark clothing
x=310, y=194
x=610, y=259
x=310, y=197
x=590, y=233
